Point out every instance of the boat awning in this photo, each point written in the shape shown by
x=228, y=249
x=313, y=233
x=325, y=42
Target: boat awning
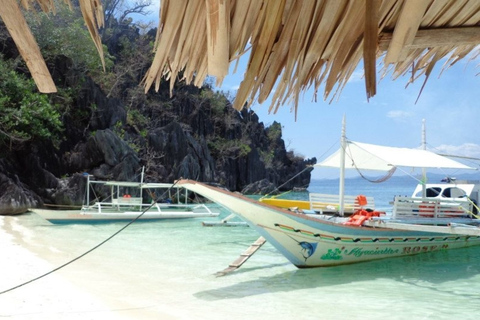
x=121, y=183
x=136, y=184
x=365, y=156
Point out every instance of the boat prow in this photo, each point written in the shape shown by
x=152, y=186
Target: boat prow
x=322, y=240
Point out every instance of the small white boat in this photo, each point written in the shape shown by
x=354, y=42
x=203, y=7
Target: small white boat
x=100, y=213
x=121, y=206
x=417, y=224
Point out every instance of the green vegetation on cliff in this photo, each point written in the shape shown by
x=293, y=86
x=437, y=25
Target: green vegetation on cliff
x=25, y=115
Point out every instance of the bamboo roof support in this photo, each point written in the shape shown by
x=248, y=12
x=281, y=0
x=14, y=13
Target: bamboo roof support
x=370, y=46
x=405, y=29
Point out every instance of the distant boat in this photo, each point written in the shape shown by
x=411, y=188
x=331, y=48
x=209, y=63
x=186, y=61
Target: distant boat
x=445, y=218
x=122, y=206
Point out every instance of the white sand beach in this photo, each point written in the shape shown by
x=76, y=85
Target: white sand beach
x=54, y=296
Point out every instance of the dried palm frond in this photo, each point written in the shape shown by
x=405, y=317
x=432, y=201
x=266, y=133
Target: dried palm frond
x=295, y=44
x=292, y=44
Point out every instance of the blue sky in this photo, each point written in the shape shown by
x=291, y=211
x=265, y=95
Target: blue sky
x=449, y=103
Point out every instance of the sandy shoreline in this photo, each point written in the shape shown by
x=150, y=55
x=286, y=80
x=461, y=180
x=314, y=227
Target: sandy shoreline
x=54, y=296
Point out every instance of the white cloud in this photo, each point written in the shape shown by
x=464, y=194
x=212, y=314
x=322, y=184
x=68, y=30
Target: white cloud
x=465, y=150
x=356, y=76
x=399, y=114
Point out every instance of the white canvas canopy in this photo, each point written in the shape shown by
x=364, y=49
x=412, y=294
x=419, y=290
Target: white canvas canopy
x=365, y=156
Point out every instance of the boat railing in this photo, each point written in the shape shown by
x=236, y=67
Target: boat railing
x=406, y=207
x=177, y=206
x=127, y=201
x=117, y=204
x=330, y=202
x=136, y=203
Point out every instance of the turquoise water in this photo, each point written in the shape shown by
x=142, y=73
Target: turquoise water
x=170, y=266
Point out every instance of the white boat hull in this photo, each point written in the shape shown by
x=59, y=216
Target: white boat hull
x=92, y=216
x=307, y=241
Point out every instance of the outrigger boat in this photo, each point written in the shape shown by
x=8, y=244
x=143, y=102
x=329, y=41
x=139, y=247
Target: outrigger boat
x=122, y=206
x=417, y=224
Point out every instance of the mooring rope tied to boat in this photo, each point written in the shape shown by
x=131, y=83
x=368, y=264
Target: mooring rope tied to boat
x=278, y=188
x=92, y=249
x=475, y=206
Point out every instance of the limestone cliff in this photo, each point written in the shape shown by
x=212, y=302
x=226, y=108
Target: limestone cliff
x=194, y=133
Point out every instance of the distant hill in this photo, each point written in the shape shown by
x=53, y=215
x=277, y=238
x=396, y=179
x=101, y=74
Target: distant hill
x=432, y=177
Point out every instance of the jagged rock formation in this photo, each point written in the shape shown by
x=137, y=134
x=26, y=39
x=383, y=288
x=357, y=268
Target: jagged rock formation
x=193, y=134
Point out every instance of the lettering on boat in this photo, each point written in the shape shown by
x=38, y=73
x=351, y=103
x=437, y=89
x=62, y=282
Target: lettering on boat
x=357, y=252
x=418, y=249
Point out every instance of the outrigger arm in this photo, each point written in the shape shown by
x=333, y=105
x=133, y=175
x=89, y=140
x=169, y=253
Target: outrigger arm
x=243, y=257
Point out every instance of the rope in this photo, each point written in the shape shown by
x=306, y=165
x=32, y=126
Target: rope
x=279, y=195
x=88, y=251
x=475, y=206
x=387, y=176
x=277, y=188
x=95, y=197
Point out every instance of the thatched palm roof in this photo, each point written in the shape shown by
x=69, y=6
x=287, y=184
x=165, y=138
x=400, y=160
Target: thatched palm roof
x=292, y=44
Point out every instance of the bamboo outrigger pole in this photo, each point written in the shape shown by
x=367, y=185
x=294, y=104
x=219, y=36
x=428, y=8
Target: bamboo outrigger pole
x=243, y=257
x=424, y=171
x=341, y=189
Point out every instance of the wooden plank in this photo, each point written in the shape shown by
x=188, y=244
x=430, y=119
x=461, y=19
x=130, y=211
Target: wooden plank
x=27, y=46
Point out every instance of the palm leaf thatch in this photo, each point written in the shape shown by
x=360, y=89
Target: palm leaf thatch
x=297, y=44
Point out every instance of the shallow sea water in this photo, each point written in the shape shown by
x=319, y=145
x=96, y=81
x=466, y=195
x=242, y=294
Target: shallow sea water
x=169, y=266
